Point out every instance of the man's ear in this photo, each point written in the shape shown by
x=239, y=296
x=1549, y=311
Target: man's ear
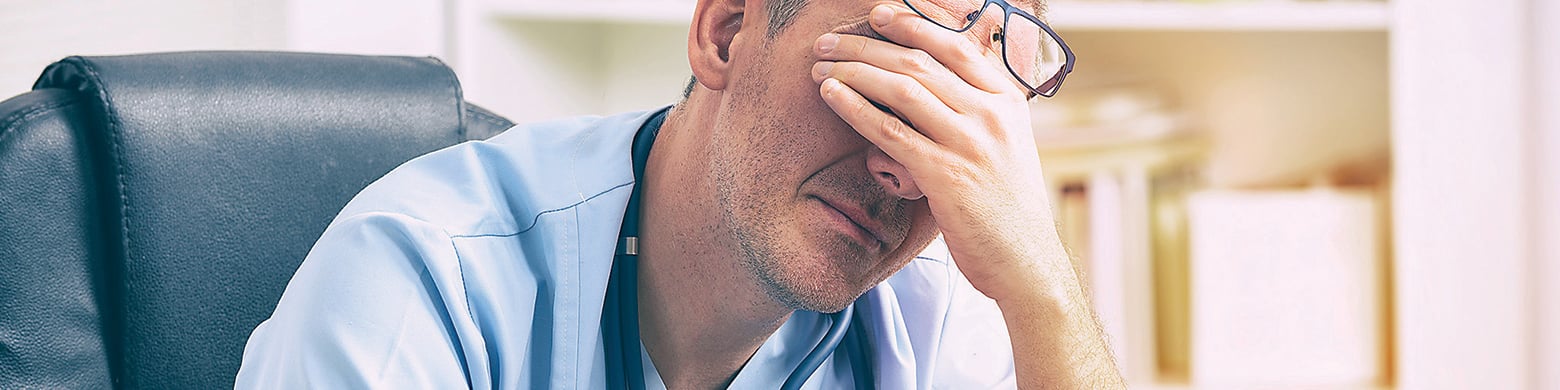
x=715, y=26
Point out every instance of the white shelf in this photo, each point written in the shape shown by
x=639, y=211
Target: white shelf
x=1222, y=16
x=1184, y=386
x=1338, y=15
x=668, y=12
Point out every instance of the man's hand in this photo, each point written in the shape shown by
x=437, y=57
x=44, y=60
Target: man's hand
x=969, y=146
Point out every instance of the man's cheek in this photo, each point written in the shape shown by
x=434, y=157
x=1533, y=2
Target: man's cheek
x=1024, y=45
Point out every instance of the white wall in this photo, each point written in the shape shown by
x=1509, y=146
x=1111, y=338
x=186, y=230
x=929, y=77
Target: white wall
x=395, y=27
x=646, y=64
x=1546, y=51
x=1461, y=191
x=34, y=34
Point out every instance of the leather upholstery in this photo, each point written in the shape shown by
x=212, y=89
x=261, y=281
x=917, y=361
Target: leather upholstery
x=155, y=206
x=49, y=319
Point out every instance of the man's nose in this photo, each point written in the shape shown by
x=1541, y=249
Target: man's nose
x=892, y=175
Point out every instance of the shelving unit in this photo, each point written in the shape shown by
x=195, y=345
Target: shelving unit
x=1070, y=15
x=669, y=12
x=1261, y=81
x=1220, y=16
x=499, y=40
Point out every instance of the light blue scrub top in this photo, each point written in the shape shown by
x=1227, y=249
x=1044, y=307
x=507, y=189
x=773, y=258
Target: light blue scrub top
x=484, y=266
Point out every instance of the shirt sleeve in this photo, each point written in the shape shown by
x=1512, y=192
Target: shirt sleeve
x=378, y=303
x=975, y=351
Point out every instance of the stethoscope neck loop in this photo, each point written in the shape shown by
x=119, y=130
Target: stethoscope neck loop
x=620, y=314
x=620, y=311
x=831, y=341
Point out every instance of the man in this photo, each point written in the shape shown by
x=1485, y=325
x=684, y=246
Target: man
x=822, y=148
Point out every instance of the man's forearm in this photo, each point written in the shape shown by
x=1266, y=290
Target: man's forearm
x=1057, y=342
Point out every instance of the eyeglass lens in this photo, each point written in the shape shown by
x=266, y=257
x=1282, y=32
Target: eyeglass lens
x=1031, y=54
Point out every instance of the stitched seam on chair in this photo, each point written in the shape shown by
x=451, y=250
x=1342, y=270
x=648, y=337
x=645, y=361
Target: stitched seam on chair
x=538, y=217
x=452, y=85
x=9, y=125
x=111, y=120
x=493, y=119
x=116, y=149
x=488, y=118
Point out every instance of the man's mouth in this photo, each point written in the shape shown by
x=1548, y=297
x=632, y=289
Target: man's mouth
x=859, y=226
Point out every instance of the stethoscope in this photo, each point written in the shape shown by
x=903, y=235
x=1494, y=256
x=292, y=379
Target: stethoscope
x=620, y=316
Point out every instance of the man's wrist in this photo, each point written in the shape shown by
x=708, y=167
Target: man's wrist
x=1041, y=273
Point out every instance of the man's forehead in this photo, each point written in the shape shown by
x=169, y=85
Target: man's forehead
x=860, y=26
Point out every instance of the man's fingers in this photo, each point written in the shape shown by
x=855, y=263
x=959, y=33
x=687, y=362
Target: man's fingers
x=953, y=90
x=968, y=60
x=896, y=138
x=906, y=96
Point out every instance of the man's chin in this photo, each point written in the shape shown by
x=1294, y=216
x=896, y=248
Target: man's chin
x=831, y=308
x=831, y=304
x=826, y=297
x=834, y=275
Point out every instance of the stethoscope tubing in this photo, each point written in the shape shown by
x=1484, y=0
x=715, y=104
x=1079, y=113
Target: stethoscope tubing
x=620, y=316
x=825, y=347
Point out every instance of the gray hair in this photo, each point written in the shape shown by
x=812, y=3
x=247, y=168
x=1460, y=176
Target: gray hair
x=781, y=13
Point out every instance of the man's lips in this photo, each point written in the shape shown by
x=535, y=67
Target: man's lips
x=856, y=216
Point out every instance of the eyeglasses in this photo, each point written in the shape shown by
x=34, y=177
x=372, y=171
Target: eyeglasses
x=1019, y=29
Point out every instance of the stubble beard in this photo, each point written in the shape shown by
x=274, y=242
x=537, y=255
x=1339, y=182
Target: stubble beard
x=755, y=220
x=754, y=213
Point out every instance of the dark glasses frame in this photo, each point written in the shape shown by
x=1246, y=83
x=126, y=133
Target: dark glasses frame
x=1048, y=88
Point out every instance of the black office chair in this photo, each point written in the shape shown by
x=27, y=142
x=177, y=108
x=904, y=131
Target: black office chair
x=153, y=207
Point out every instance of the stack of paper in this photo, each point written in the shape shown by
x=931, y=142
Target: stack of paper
x=1286, y=289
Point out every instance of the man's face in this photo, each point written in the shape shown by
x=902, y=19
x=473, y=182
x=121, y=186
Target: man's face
x=812, y=223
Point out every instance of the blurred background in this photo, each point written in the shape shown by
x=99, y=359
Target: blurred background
x=1260, y=193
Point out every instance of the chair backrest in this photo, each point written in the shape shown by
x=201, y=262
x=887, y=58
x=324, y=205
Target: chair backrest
x=153, y=207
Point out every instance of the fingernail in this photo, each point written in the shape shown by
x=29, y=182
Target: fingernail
x=822, y=68
x=881, y=15
x=831, y=87
x=827, y=42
